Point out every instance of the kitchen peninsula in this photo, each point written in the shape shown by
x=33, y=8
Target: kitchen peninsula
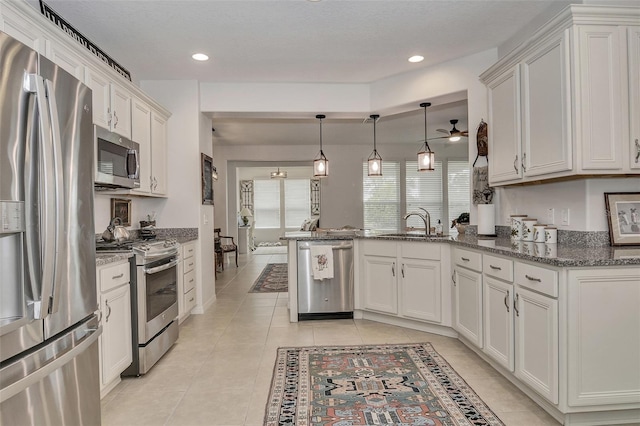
x=562, y=324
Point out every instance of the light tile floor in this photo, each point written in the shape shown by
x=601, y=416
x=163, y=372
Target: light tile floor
x=219, y=371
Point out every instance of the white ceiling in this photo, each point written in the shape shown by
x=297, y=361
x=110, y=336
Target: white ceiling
x=337, y=41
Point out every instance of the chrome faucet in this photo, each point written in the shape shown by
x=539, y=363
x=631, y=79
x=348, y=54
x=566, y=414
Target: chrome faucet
x=426, y=218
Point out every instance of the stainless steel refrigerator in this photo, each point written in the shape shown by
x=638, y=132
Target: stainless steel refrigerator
x=49, y=372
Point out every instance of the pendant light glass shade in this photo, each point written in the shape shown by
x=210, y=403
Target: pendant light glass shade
x=375, y=160
x=320, y=163
x=426, y=157
x=279, y=174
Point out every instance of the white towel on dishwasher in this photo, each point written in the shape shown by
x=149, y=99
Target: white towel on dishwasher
x=322, y=262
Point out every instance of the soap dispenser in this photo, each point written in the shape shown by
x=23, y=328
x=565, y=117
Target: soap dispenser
x=439, y=228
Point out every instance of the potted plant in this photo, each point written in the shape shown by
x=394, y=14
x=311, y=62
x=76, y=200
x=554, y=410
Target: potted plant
x=461, y=222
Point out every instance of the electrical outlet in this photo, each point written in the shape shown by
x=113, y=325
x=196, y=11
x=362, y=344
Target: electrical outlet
x=551, y=216
x=565, y=217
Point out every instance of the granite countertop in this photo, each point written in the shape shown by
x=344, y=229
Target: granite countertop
x=105, y=259
x=561, y=255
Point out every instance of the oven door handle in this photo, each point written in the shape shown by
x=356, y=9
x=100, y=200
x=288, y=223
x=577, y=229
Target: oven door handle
x=161, y=267
x=160, y=254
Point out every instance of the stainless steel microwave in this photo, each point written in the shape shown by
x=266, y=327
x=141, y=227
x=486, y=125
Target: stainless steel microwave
x=117, y=161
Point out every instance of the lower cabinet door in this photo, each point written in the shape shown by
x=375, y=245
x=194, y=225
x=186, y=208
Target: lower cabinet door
x=537, y=342
x=498, y=321
x=420, y=289
x=468, y=304
x=381, y=287
x=115, y=341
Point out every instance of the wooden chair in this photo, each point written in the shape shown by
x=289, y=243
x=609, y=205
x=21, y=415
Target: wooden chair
x=224, y=244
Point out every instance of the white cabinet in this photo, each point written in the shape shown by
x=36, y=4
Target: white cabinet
x=536, y=330
x=21, y=28
x=187, y=280
x=498, y=310
x=420, y=289
x=566, y=102
x=115, y=346
x=141, y=133
x=111, y=103
x=158, y=153
x=403, y=279
x=633, y=46
x=65, y=58
x=380, y=284
x=467, y=297
x=603, y=353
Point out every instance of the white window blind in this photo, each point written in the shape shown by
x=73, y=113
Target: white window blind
x=266, y=199
x=459, y=189
x=297, y=202
x=424, y=189
x=381, y=197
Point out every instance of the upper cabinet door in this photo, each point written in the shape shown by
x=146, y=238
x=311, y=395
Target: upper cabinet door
x=141, y=133
x=121, y=110
x=22, y=29
x=158, y=154
x=100, y=86
x=505, y=159
x=600, y=106
x=633, y=45
x=546, y=119
x=66, y=59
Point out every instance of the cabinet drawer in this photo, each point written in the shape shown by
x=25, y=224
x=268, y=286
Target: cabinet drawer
x=188, y=250
x=189, y=300
x=468, y=259
x=189, y=280
x=114, y=276
x=426, y=251
x=498, y=267
x=189, y=264
x=537, y=279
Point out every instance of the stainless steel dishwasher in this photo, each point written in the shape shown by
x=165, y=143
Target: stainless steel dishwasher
x=327, y=298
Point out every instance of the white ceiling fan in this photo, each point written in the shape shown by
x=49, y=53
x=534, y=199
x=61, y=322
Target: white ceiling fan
x=454, y=134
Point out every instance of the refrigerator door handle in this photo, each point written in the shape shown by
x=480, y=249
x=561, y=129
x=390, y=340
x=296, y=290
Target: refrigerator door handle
x=48, y=214
x=60, y=202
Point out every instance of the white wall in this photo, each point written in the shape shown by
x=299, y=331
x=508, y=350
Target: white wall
x=189, y=134
x=584, y=198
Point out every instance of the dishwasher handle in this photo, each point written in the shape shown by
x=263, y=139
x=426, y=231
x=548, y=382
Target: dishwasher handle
x=346, y=247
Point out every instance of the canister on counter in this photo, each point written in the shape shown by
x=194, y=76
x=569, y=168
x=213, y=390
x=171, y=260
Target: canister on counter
x=538, y=233
x=527, y=228
x=550, y=235
x=516, y=226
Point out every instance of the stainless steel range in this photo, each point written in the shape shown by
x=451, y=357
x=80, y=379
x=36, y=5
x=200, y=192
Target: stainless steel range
x=154, y=299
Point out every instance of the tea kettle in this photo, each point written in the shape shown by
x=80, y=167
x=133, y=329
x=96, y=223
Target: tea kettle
x=115, y=231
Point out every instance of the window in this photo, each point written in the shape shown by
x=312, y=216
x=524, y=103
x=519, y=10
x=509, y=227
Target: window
x=297, y=202
x=424, y=189
x=266, y=200
x=381, y=197
x=444, y=193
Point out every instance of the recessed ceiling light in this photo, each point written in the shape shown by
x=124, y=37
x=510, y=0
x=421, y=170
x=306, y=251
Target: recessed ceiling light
x=416, y=58
x=200, y=57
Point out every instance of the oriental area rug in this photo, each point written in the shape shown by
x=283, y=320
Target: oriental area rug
x=272, y=279
x=401, y=384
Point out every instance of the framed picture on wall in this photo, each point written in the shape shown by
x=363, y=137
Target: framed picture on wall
x=623, y=214
x=207, y=179
x=121, y=208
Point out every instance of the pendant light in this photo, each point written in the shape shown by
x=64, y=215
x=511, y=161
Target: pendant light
x=375, y=161
x=320, y=163
x=279, y=174
x=426, y=157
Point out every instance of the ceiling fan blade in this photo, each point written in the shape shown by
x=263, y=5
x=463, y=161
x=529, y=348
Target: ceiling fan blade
x=442, y=131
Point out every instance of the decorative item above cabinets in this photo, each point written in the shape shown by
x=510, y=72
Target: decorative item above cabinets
x=563, y=103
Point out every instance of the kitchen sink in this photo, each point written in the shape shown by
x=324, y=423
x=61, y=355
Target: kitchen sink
x=413, y=235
